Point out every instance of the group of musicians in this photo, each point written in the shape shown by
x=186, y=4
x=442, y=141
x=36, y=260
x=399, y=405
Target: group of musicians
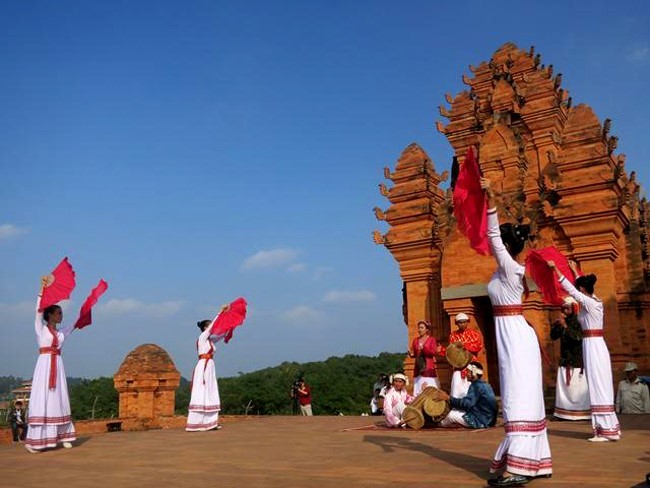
x=471, y=400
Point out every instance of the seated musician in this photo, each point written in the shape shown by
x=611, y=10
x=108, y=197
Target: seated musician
x=478, y=409
x=395, y=400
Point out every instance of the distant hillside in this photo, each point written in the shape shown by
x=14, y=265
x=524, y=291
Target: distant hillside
x=339, y=385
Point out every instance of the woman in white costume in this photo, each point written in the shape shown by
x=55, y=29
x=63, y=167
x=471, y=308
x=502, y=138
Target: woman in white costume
x=49, y=420
x=525, y=452
x=598, y=365
x=205, y=405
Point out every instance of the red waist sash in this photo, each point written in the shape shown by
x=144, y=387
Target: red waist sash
x=504, y=310
x=53, y=352
x=592, y=333
x=509, y=310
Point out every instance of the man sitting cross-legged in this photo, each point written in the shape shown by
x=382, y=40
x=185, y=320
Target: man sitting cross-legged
x=478, y=409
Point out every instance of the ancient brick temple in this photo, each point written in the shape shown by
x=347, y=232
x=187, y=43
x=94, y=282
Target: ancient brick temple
x=556, y=169
x=147, y=381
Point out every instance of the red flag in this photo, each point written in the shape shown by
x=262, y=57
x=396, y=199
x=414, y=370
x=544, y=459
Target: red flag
x=85, y=316
x=470, y=205
x=226, y=322
x=545, y=277
x=61, y=284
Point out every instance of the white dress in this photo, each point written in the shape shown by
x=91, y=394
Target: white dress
x=598, y=365
x=49, y=420
x=525, y=449
x=204, y=401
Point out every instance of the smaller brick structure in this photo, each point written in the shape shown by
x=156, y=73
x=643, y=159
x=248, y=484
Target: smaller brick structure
x=147, y=381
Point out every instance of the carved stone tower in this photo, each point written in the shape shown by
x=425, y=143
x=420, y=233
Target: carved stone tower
x=555, y=168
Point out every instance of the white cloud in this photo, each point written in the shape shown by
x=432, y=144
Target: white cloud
x=270, y=259
x=639, y=54
x=128, y=306
x=302, y=314
x=7, y=231
x=349, y=296
x=297, y=268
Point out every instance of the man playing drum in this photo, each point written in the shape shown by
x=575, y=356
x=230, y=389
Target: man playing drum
x=472, y=342
x=476, y=410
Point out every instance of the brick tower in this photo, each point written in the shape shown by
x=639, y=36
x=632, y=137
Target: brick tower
x=147, y=381
x=555, y=168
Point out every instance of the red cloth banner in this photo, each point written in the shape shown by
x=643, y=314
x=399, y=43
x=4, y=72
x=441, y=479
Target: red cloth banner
x=85, y=314
x=470, y=205
x=62, y=282
x=226, y=322
x=545, y=278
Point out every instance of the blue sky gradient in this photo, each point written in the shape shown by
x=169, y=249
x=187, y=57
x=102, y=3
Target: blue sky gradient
x=192, y=152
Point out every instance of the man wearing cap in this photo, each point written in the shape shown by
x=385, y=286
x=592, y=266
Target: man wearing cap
x=632, y=395
x=395, y=400
x=477, y=409
x=572, y=389
x=472, y=342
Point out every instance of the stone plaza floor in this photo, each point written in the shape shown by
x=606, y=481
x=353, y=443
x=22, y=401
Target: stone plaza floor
x=312, y=452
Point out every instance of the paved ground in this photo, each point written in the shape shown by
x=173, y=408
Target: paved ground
x=318, y=452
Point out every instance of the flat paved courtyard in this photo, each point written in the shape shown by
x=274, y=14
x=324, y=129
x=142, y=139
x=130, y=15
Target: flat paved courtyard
x=314, y=452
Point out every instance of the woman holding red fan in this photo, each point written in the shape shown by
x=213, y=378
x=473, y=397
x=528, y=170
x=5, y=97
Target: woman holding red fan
x=50, y=422
x=203, y=412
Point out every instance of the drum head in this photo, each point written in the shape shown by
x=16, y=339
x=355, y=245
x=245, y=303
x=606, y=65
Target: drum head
x=458, y=356
x=413, y=417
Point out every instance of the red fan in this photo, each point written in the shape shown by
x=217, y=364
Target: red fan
x=544, y=277
x=85, y=315
x=226, y=322
x=470, y=205
x=60, y=285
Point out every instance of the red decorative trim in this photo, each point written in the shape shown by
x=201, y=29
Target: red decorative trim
x=525, y=426
x=50, y=441
x=49, y=420
x=602, y=432
x=592, y=333
x=209, y=426
x=204, y=408
x=573, y=413
x=506, y=310
x=522, y=464
x=600, y=409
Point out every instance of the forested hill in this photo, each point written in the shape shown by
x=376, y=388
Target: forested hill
x=339, y=385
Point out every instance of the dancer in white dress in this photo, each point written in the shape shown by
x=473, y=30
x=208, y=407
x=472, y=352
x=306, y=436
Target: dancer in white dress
x=598, y=365
x=49, y=420
x=525, y=452
x=203, y=412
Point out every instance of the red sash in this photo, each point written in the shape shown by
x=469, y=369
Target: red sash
x=53, y=351
x=508, y=310
x=592, y=333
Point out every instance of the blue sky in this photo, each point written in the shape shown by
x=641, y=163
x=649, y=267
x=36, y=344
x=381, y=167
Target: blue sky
x=193, y=152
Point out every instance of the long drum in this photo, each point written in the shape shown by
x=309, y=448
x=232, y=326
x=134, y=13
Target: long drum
x=413, y=414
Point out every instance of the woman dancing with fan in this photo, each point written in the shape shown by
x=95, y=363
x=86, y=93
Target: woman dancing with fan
x=49, y=422
x=205, y=405
x=524, y=453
